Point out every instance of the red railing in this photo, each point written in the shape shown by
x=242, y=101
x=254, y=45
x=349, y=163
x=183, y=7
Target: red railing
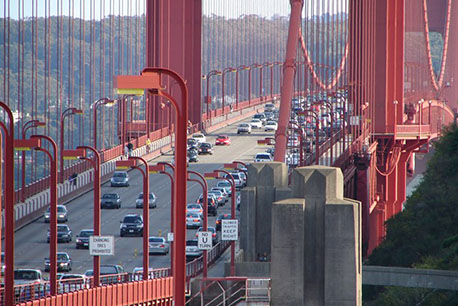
x=40, y=291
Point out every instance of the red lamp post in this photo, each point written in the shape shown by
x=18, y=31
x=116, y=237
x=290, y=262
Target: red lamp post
x=8, y=131
x=207, y=97
x=203, y=183
x=94, y=106
x=95, y=162
x=237, y=83
x=132, y=163
x=301, y=142
x=53, y=209
x=249, y=81
x=160, y=167
x=230, y=179
x=150, y=79
x=266, y=64
x=317, y=132
x=29, y=124
x=225, y=70
x=67, y=112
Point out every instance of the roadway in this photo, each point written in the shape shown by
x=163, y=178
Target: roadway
x=30, y=243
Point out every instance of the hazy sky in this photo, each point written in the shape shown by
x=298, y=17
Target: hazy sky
x=227, y=8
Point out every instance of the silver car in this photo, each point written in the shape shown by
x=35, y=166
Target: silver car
x=62, y=214
x=192, y=249
x=193, y=220
x=244, y=128
x=158, y=245
x=151, y=201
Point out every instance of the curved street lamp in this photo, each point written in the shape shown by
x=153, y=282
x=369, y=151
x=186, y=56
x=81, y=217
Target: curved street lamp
x=94, y=106
x=68, y=112
x=225, y=70
x=255, y=65
x=207, y=97
x=265, y=64
x=28, y=125
x=241, y=67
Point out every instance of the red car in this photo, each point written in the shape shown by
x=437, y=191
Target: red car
x=223, y=140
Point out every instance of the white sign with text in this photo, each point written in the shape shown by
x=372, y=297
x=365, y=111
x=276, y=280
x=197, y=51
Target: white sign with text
x=230, y=229
x=204, y=241
x=101, y=245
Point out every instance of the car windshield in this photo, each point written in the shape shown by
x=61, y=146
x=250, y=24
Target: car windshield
x=120, y=174
x=192, y=215
x=271, y=123
x=86, y=233
x=220, y=217
x=209, y=229
x=244, y=125
x=26, y=274
x=191, y=243
x=62, y=256
x=61, y=209
x=108, y=270
x=262, y=156
x=62, y=228
x=205, y=145
x=190, y=206
x=156, y=239
x=109, y=196
x=70, y=276
x=198, y=136
x=222, y=137
x=224, y=184
x=140, y=195
x=132, y=219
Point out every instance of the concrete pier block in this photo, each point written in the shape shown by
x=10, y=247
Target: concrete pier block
x=287, y=259
x=248, y=223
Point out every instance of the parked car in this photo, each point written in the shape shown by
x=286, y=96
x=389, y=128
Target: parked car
x=193, y=156
x=193, y=220
x=271, y=126
x=256, y=124
x=132, y=225
x=62, y=214
x=151, y=201
x=205, y=148
x=262, y=157
x=110, y=200
x=192, y=249
x=199, y=137
x=120, y=179
x=244, y=128
x=219, y=219
x=213, y=231
x=223, y=140
x=194, y=208
x=64, y=262
x=158, y=245
x=82, y=239
x=64, y=233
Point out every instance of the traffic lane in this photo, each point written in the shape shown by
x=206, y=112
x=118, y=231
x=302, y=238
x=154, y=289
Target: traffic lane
x=31, y=246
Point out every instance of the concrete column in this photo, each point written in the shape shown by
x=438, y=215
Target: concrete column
x=287, y=261
x=248, y=223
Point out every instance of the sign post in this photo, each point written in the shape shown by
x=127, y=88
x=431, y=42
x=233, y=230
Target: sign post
x=230, y=229
x=101, y=245
x=204, y=241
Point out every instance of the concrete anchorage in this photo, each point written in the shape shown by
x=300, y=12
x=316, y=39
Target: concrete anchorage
x=309, y=231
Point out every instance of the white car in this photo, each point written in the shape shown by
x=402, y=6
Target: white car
x=244, y=128
x=271, y=126
x=262, y=157
x=256, y=124
x=199, y=137
x=269, y=107
x=194, y=208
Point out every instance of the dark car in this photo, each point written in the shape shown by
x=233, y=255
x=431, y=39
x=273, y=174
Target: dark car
x=212, y=206
x=110, y=200
x=132, y=225
x=64, y=233
x=213, y=231
x=219, y=220
x=64, y=262
x=193, y=156
x=82, y=239
x=192, y=143
x=109, y=274
x=120, y=179
x=205, y=148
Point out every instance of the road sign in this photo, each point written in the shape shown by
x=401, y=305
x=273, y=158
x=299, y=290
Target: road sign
x=204, y=241
x=230, y=229
x=101, y=245
x=169, y=237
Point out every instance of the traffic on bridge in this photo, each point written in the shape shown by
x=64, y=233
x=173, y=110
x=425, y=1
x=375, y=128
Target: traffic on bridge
x=156, y=151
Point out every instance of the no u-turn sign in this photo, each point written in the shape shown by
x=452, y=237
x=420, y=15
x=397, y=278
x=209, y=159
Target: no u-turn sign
x=204, y=241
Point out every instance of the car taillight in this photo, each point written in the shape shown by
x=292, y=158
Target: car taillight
x=196, y=220
x=218, y=222
x=214, y=235
x=162, y=246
